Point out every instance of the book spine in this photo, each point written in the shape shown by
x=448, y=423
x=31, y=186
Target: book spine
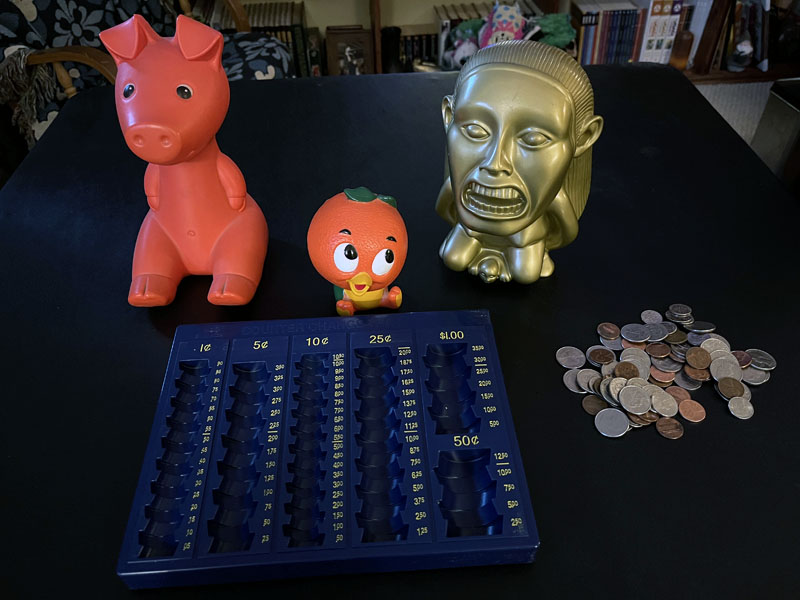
x=638, y=34
x=598, y=30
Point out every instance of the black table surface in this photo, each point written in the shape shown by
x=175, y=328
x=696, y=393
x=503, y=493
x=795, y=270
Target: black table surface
x=681, y=210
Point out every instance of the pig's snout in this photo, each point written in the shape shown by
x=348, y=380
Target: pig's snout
x=154, y=143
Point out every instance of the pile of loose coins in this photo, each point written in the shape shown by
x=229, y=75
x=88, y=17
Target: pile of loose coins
x=660, y=362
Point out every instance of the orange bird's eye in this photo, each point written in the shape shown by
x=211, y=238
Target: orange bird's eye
x=345, y=256
x=383, y=262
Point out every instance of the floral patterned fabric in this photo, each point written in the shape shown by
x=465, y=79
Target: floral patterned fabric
x=39, y=24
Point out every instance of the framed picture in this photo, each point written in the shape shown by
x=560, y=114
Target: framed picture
x=349, y=51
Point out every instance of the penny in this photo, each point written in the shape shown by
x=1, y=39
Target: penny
x=667, y=365
x=698, y=358
x=754, y=376
x=741, y=408
x=660, y=384
x=651, y=316
x=615, y=344
x=570, y=357
x=701, y=327
x=713, y=343
x=657, y=331
x=657, y=350
x=627, y=344
x=602, y=356
x=607, y=370
x=637, y=421
x=730, y=387
x=593, y=405
x=633, y=332
x=743, y=358
x=676, y=337
x=669, y=428
x=697, y=374
x=608, y=331
x=692, y=411
x=661, y=376
x=725, y=367
x=626, y=369
x=664, y=404
x=686, y=382
x=611, y=422
x=678, y=393
x=634, y=400
x=695, y=339
x=681, y=310
x=761, y=360
x=570, y=380
x=649, y=416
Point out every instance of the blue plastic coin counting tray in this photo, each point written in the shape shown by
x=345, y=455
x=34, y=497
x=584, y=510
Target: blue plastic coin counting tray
x=332, y=445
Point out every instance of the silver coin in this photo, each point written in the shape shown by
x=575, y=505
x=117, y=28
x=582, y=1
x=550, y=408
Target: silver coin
x=584, y=378
x=608, y=370
x=588, y=350
x=667, y=365
x=634, y=424
x=570, y=380
x=678, y=318
x=713, y=343
x=722, y=367
x=638, y=381
x=685, y=382
x=762, y=360
x=695, y=339
x=611, y=422
x=681, y=310
x=651, y=389
x=671, y=327
x=615, y=344
x=755, y=376
x=651, y=316
x=701, y=327
x=664, y=404
x=657, y=331
x=634, y=353
x=615, y=386
x=634, y=400
x=634, y=332
x=722, y=354
x=594, y=384
x=644, y=368
x=741, y=408
x=605, y=392
x=570, y=357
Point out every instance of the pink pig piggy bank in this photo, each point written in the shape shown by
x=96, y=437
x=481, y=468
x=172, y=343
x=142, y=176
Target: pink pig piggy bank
x=172, y=96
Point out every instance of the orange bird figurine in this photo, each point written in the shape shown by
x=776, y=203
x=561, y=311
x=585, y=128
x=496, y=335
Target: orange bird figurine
x=172, y=96
x=357, y=240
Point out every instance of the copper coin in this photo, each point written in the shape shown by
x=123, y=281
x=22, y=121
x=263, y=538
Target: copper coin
x=698, y=358
x=639, y=345
x=626, y=369
x=661, y=384
x=602, y=356
x=593, y=405
x=742, y=357
x=669, y=428
x=637, y=419
x=678, y=393
x=649, y=416
x=692, y=411
x=661, y=376
x=608, y=331
x=676, y=337
x=730, y=387
x=657, y=350
x=697, y=374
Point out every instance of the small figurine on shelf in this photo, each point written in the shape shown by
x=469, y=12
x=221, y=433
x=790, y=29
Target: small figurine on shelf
x=464, y=40
x=172, y=96
x=357, y=240
x=504, y=23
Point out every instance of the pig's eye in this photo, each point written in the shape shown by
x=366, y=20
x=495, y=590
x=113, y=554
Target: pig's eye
x=184, y=91
x=128, y=91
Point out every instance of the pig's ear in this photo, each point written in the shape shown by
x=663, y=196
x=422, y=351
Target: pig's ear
x=125, y=41
x=197, y=41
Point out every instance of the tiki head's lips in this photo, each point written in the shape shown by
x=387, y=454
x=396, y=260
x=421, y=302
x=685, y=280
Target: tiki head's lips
x=359, y=284
x=503, y=202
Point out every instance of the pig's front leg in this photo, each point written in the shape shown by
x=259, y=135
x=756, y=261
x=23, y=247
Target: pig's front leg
x=232, y=182
x=151, y=186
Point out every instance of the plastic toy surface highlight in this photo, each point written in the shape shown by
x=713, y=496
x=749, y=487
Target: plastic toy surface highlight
x=172, y=96
x=357, y=240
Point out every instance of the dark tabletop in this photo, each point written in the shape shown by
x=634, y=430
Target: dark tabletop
x=681, y=210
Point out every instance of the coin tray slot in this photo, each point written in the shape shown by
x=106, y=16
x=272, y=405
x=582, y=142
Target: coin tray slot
x=448, y=383
x=468, y=493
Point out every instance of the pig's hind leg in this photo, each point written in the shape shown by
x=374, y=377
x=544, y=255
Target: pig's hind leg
x=238, y=258
x=157, y=267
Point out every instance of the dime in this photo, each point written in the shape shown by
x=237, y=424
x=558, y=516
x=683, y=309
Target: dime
x=730, y=387
x=668, y=365
x=722, y=354
x=696, y=374
x=627, y=344
x=713, y=343
x=678, y=393
x=686, y=382
x=651, y=316
x=637, y=381
x=657, y=331
x=743, y=358
x=602, y=356
x=695, y=339
x=669, y=326
x=740, y=407
x=584, y=378
x=570, y=357
x=698, y=358
x=661, y=376
x=681, y=310
x=754, y=376
x=724, y=367
x=615, y=344
x=669, y=428
x=676, y=337
x=615, y=386
x=651, y=389
x=593, y=405
x=611, y=422
x=571, y=381
x=664, y=404
x=701, y=327
x=692, y=411
x=762, y=360
x=607, y=370
x=634, y=400
x=657, y=350
x=608, y=331
x=678, y=319
x=633, y=332
x=626, y=369
x=717, y=336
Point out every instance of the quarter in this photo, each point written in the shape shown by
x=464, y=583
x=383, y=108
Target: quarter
x=741, y=408
x=570, y=357
x=762, y=360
